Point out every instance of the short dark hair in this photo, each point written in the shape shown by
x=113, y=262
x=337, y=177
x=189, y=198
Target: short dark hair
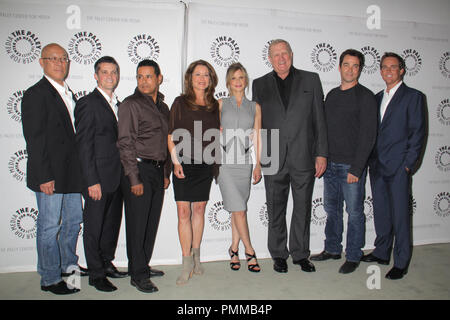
x=105, y=59
x=149, y=63
x=401, y=61
x=353, y=53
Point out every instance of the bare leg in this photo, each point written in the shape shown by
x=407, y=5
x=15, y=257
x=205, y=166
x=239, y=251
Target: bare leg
x=184, y=227
x=240, y=220
x=198, y=222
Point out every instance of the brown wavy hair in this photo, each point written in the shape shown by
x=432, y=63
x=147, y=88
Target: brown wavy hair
x=189, y=94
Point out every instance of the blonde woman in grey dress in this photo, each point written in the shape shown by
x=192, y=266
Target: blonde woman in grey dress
x=240, y=123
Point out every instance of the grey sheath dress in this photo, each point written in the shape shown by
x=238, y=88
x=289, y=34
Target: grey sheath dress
x=235, y=172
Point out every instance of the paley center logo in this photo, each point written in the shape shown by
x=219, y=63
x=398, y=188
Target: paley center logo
x=442, y=158
x=85, y=48
x=143, y=46
x=444, y=65
x=318, y=214
x=324, y=57
x=263, y=215
x=413, y=62
x=368, y=208
x=80, y=94
x=23, y=223
x=265, y=54
x=225, y=51
x=371, y=59
x=17, y=165
x=443, y=112
x=13, y=105
x=442, y=204
x=218, y=217
x=23, y=46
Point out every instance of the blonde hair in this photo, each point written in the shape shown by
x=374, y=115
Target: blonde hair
x=230, y=72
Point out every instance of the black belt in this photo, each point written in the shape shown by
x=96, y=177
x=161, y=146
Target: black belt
x=156, y=163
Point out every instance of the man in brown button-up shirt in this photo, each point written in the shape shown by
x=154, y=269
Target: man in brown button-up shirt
x=142, y=142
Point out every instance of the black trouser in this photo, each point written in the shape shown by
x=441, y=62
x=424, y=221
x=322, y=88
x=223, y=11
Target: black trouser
x=102, y=221
x=142, y=219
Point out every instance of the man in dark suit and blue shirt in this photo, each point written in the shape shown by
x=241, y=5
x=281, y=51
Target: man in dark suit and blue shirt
x=400, y=139
x=291, y=102
x=351, y=114
x=96, y=126
x=53, y=169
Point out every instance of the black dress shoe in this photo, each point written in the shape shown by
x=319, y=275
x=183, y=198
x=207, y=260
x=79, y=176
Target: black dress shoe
x=112, y=272
x=155, y=273
x=280, y=265
x=396, y=273
x=306, y=265
x=371, y=258
x=60, y=288
x=348, y=267
x=325, y=256
x=102, y=284
x=83, y=272
x=144, y=285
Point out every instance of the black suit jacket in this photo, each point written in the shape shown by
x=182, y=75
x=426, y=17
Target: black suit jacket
x=96, y=139
x=50, y=139
x=302, y=126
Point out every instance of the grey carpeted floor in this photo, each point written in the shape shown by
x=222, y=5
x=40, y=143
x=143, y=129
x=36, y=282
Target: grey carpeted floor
x=428, y=278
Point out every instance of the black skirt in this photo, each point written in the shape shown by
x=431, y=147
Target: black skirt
x=196, y=185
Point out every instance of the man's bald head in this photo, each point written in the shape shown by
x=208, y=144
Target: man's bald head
x=55, y=62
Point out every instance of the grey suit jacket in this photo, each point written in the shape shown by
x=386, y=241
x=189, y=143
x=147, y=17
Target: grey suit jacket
x=302, y=126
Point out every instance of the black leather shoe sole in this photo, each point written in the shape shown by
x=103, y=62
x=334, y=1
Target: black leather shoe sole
x=280, y=265
x=306, y=265
x=102, y=285
x=323, y=256
x=116, y=274
x=60, y=288
x=147, y=288
x=396, y=273
x=371, y=258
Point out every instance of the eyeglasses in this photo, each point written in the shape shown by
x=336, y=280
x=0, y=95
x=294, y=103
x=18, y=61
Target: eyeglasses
x=56, y=59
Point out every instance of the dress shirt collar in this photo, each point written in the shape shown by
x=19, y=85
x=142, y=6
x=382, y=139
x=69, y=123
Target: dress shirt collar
x=393, y=90
x=111, y=100
x=61, y=89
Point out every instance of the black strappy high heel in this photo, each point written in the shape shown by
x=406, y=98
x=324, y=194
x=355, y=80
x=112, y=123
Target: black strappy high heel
x=252, y=267
x=234, y=265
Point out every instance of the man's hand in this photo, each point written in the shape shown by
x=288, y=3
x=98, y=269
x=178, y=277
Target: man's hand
x=138, y=190
x=351, y=178
x=48, y=187
x=166, y=183
x=321, y=166
x=95, y=192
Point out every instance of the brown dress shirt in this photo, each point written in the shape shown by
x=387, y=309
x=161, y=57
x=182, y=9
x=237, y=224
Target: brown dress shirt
x=143, y=130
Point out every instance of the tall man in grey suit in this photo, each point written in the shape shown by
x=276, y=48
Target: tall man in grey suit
x=291, y=102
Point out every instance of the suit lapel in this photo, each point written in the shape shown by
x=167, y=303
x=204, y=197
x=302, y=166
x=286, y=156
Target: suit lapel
x=105, y=103
x=61, y=107
x=393, y=104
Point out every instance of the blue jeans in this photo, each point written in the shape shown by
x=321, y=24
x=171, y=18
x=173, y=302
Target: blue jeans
x=336, y=191
x=58, y=227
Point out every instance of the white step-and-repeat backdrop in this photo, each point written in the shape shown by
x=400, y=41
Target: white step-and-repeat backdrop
x=175, y=35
